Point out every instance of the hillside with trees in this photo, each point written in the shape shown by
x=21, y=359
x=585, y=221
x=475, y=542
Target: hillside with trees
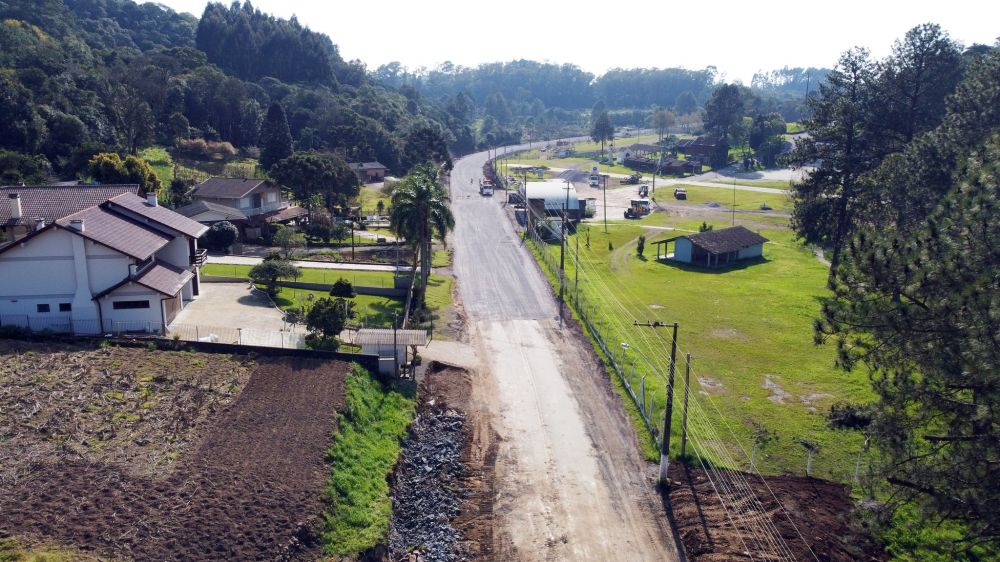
x=86, y=77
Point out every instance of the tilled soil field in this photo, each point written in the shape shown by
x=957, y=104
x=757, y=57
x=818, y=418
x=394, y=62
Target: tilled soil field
x=443, y=486
x=249, y=488
x=814, y=522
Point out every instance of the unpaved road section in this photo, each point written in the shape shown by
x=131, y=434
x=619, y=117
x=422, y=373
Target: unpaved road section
x=569, y=479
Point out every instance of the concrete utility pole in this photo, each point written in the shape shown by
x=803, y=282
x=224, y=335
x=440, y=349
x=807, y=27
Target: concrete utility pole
x=562, y=256
x=665, y=441
x=605, y=204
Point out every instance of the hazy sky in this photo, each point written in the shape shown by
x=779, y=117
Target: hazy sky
x=738, y=38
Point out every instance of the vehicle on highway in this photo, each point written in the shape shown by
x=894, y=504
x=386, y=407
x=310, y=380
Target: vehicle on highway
x=486, y=188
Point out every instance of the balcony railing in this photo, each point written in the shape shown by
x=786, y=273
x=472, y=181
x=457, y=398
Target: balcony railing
x=198, y=257
x=265, y=208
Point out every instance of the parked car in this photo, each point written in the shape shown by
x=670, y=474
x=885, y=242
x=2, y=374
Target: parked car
x=680, y=193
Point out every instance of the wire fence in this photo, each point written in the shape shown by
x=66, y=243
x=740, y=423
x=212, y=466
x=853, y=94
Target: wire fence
x=704, y=437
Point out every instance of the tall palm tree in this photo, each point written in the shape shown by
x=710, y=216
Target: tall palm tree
x=420, y=212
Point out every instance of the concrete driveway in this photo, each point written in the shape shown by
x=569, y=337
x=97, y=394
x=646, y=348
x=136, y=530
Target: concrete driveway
x=233, y=313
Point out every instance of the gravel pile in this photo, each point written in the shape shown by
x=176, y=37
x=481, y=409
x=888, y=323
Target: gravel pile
x=427, y=491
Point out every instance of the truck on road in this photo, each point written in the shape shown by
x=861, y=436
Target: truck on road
x=486, y=187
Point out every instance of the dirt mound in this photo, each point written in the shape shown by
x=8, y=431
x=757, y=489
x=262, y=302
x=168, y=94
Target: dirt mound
x=443, y=486
x=813, y=521
x=250, y=490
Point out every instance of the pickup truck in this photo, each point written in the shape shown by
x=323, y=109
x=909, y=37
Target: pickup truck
x=595, y=180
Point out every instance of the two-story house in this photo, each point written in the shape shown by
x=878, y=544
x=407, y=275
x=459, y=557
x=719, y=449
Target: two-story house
x=123, y=265
x=259, y=201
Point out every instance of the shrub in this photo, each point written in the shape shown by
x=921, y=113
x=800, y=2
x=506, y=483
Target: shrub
x=848, y=415
x=220, y=236
x=641, y=246
x=342, y=288
x=205, y=149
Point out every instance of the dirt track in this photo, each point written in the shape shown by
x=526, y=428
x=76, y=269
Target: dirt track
x=250, y=489
x=570, y=482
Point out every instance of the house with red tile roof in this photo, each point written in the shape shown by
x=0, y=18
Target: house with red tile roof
x=102, y=261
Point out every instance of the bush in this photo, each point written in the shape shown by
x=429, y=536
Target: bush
x=322, y=343
x=641, y=246
x=342, y=288
x=220, y=236
x=206, y=149
x=847, y=415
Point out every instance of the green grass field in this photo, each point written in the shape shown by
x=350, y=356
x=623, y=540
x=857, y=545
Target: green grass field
x=365, y=448
x=310, y=275
x=749, y=330
x=745, y=200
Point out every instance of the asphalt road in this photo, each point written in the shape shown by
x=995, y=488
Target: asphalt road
x=570, y=483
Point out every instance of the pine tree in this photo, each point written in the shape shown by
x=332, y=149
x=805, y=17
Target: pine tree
x=275, y=138
x=920, y=310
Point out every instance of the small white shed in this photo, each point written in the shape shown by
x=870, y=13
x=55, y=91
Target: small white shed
x=383, y=341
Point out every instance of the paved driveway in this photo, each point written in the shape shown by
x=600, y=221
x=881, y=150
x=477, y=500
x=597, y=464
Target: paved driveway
x=232, y=313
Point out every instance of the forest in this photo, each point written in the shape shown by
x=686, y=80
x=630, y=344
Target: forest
x=84, y=77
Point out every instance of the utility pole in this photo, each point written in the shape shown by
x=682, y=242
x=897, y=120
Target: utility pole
x=734, y=200
x=605, y=204
x=665, y=441
x=562, y=256
x=576, y=281
x=395, y=348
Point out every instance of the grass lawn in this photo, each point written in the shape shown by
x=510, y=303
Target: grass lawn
x=368, y=199
x=749, y=331
x=161, y=162
x=745, y=200
x=438, y=296
x=776, y=184
x=310, y=275
x=440, y=258
x=370, y=310
x=365, y=449
x=793, y=127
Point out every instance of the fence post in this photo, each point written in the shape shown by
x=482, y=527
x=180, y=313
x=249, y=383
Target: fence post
x=642, y=387
x=239, y=335
x=684, y=417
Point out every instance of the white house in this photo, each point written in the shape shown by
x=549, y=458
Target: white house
x=714, y=248
x=124, y=265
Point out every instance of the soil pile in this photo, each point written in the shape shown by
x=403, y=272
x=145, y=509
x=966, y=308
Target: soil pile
x=717, y=523
x=249, y=490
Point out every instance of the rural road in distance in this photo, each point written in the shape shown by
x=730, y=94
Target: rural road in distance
x=570, y=482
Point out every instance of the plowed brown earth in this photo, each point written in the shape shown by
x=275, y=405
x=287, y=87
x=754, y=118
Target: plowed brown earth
x=813, y=524
x=250, y=489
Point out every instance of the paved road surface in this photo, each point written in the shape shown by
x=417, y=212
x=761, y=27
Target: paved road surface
x=570, y=482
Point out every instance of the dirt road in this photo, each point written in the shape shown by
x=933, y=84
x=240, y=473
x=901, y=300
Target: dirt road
x=570, y=482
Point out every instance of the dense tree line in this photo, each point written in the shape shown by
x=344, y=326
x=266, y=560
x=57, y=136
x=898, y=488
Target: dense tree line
x=905, y=194
x=82, y=77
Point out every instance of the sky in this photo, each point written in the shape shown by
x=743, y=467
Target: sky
x=738, y=38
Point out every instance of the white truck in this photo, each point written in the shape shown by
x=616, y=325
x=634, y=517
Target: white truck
x=486, y=187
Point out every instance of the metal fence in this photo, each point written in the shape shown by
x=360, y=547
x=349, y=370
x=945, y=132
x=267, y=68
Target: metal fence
x=237, y=336
x=75, y=326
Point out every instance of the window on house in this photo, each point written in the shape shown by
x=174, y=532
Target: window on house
x=65, y=307
x=42, y=308
x=128, y=305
